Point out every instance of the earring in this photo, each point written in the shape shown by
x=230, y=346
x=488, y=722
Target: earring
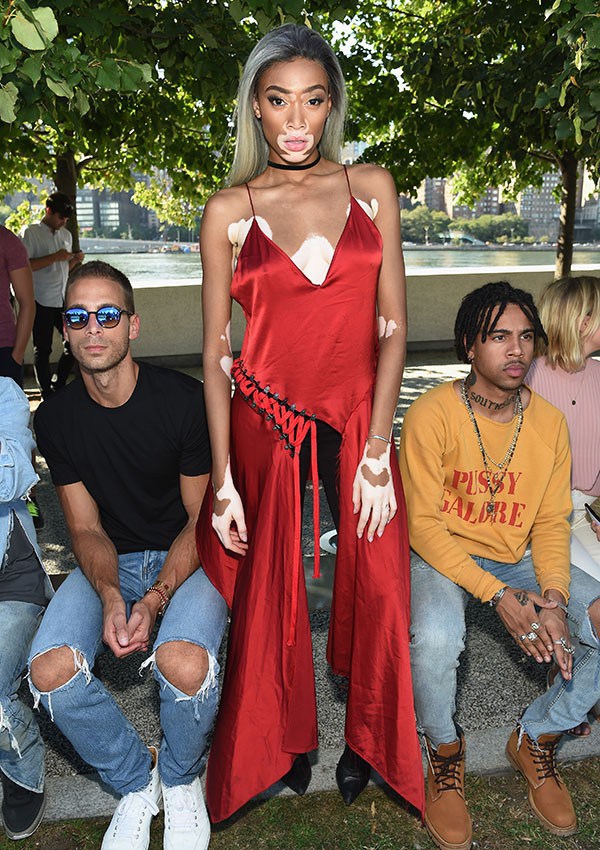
x=471, y=357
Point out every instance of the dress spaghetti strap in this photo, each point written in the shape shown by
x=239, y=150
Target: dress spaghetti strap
x=348, y=181
x=250, y=198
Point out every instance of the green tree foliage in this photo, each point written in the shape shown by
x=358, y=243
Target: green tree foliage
x=502, y=91
x=42, y=71
x=24, y=215
x=423, y=225
x=493, y=228
x=91, y=90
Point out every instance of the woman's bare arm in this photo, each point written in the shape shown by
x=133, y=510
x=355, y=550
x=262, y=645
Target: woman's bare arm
x=373, y=489
x=216, y=252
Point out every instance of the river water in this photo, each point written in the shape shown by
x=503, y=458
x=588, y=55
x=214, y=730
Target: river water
x=175, y=268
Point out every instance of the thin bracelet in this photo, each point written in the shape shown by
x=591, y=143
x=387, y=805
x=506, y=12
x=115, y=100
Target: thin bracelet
x=378, y=437
x=498, y=596
x=163, y=591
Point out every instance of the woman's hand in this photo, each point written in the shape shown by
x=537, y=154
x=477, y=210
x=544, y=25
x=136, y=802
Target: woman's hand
x=228, y=516
x=373, y=489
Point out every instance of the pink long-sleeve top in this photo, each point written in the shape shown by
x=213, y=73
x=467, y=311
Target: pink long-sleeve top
x=577, y=396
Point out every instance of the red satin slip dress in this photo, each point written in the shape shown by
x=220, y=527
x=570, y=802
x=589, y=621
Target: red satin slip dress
x=309, y=352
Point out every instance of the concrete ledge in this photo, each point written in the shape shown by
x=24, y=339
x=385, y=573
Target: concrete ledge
x=87, y=797
x=172, y=315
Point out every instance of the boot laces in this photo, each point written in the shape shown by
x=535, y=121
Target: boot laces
x=544, y=758
x=446, y=770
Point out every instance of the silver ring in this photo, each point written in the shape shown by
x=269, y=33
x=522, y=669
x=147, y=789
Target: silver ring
x=562, y=642
x=524, y=637
x=386, y=507
x=535, y=626
x=531, y=636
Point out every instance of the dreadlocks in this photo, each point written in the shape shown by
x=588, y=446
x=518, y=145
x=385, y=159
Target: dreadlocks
x=478, y=307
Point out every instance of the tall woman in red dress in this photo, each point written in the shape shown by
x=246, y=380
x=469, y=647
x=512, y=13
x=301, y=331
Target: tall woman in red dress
x=311, y=251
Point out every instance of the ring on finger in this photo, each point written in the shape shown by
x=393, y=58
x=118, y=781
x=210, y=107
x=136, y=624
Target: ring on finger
x=531, y=636
x=523, y=637
x=562, y=642
x=535, y=626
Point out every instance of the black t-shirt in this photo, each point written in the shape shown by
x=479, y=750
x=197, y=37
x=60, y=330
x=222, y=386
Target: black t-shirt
x=130, y=457
x=22, y=577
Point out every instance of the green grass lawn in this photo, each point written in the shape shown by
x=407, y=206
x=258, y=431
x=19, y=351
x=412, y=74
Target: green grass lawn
x=502, y=821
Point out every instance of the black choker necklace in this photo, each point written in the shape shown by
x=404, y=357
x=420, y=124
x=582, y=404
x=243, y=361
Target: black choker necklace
x=285, y=167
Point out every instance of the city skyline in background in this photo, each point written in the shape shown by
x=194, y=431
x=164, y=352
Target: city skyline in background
x=101, y=212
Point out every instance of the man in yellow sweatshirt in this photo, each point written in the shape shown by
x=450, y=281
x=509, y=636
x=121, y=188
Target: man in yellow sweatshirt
x=486, y=465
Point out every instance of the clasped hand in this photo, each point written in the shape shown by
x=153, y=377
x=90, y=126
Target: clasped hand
x=541, y=633
x=126, y=636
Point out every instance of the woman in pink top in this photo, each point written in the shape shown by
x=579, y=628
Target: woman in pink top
x=566, y=374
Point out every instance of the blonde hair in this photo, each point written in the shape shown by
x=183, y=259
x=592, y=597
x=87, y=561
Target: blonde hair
x=563, y=307
x=284, y=44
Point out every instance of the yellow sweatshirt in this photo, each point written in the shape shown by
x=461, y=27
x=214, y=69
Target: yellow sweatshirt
x=447, y=493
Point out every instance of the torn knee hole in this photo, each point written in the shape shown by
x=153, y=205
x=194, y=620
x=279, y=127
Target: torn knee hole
x=183, y=665
x=55, y=667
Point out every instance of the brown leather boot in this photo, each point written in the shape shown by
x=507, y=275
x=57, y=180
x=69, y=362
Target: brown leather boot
x=446, y=817
x=547, y=795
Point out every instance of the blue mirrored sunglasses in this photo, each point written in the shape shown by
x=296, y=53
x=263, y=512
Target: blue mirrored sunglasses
x=107, y=317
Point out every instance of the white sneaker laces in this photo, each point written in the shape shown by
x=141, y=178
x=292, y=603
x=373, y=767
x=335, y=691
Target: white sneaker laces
x=181, y=808
x=130, y=813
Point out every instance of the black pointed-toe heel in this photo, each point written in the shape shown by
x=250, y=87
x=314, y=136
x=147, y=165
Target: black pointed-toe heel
x=299, y=775
x=352, y=775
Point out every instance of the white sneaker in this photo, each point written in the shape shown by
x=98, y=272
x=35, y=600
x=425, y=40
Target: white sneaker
x=187, y=826
x=130, y=825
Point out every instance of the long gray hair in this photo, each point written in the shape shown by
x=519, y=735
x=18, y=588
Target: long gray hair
x=291, y=41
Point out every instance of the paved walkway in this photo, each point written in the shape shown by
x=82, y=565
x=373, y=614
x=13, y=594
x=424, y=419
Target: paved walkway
x=495, y=681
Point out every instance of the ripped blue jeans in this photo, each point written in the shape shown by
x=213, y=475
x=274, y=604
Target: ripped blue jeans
x=438, y=638
x=85, y=711
x=21, y=746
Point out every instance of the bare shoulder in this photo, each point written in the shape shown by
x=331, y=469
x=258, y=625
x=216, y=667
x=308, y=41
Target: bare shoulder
x=369, y=179
x=226, y=205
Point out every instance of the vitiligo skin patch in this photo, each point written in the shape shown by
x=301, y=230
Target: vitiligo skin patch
x=227, y=360
x=226, y=503
x=314, y=255
x=386, y=328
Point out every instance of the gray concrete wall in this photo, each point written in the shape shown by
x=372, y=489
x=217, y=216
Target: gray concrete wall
x=172, y=316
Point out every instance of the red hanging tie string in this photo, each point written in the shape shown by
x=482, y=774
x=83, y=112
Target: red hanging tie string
x=297, y=556
x=316, y=501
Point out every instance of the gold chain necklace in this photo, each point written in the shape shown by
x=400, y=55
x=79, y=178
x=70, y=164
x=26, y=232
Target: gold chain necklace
x=497, y=477
x=579, y=386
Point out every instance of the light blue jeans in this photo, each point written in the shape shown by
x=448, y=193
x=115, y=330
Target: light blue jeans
x=88, y=715
x=438, y=638
x=21, y=746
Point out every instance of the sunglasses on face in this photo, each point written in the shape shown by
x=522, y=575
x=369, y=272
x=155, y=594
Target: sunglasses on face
x=107, y=317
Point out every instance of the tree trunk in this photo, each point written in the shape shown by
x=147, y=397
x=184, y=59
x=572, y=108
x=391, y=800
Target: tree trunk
x=564, y=248
x=66, y=182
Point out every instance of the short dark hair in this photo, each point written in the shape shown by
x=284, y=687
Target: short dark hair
x=476, y=310
x=60, y=203
x=99, y=269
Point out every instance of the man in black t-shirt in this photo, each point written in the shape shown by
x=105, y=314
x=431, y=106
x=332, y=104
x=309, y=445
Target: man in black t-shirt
x=127, y=447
